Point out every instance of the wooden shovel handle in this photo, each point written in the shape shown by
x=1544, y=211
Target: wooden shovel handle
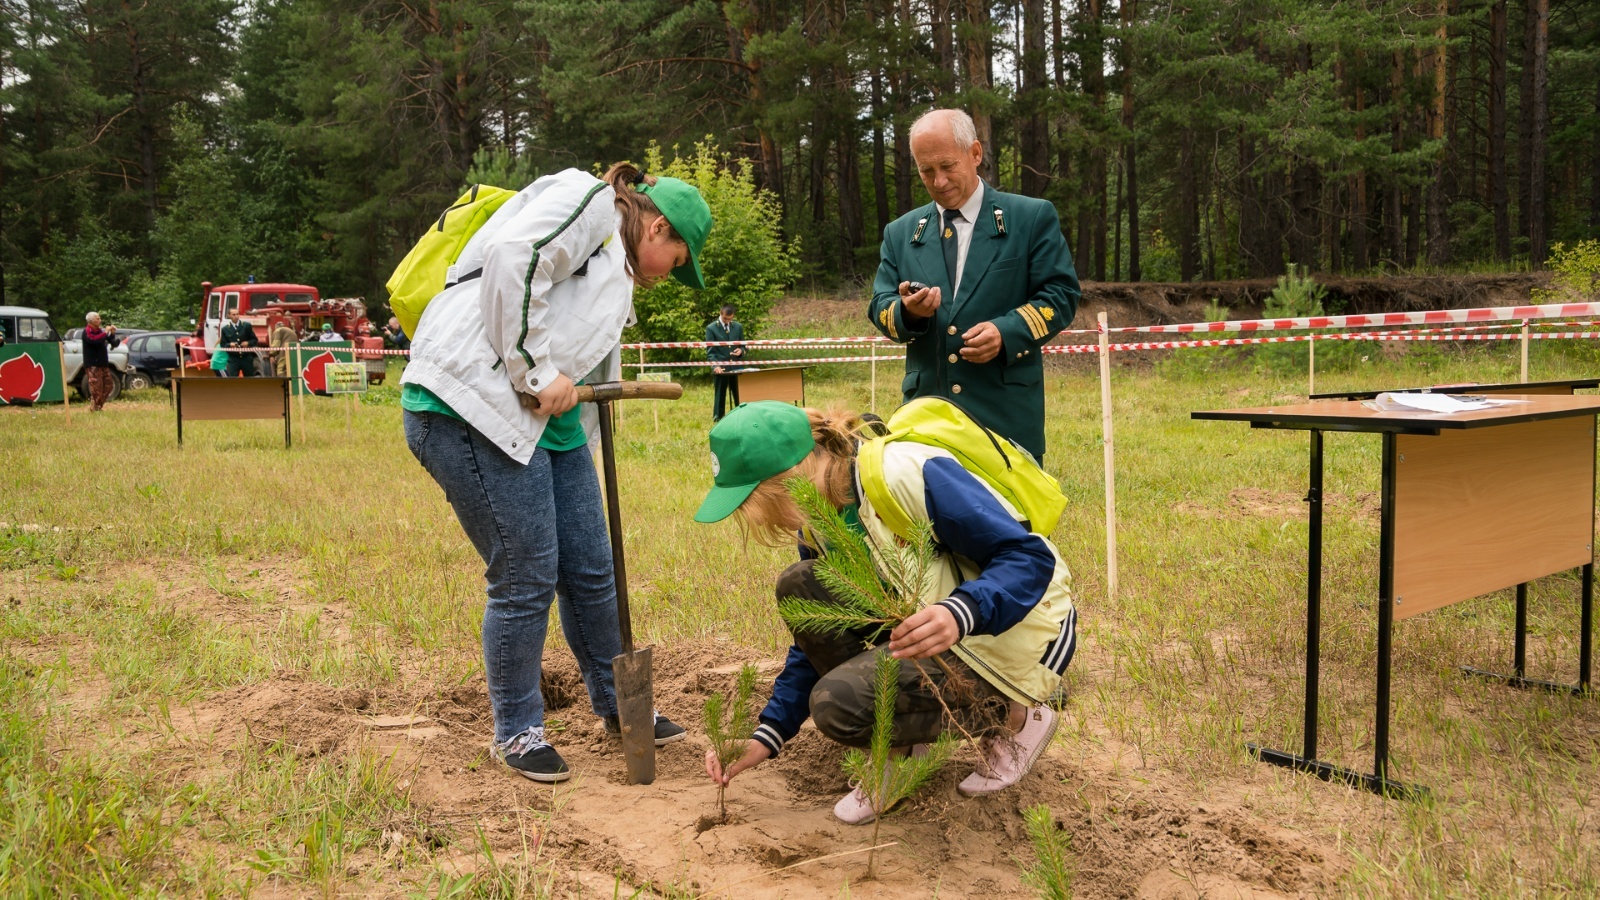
x=629, y=390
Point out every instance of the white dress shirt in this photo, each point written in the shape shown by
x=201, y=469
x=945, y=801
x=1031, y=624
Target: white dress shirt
x=969, y=218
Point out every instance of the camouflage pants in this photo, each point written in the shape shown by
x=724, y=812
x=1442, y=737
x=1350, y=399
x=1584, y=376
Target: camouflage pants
x=100, y=380
x=929, y=695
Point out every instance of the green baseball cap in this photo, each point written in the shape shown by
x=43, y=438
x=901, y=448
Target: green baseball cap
x=751, y=444
x=683, y=206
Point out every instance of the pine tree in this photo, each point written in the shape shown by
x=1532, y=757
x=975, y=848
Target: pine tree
x=884, y=777
x=871, y=595
x=729, y=719
x=1051, y=876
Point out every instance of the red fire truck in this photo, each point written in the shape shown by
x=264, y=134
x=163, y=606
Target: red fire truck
x=265, y=305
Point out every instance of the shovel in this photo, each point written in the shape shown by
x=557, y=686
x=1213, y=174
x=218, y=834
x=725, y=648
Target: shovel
x=631, y=671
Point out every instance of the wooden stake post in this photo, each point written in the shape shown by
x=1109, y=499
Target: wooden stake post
x=1524, y=351
x=66, y=405
x=1110, y=457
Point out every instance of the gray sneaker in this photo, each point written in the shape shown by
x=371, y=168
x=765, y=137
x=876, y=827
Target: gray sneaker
x=531, y=756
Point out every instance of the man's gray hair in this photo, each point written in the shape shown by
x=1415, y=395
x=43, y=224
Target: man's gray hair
x=91, y=317
x=961, y=127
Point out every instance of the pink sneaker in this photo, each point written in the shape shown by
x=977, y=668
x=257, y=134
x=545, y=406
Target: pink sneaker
x=854, y=809
x=1006, y=760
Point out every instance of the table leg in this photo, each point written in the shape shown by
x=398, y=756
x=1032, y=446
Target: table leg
x=1519, y=659
x=1313, y=594
x=1586, y=628
x=1519, y=678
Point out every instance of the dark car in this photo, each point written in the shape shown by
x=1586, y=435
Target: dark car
x=152, y=355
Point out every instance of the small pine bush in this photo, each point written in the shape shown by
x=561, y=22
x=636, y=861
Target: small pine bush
x=1051, y=876
x=729, y=720
x=885, y=778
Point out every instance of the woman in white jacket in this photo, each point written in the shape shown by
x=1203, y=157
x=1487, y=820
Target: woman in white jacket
x=536, y=303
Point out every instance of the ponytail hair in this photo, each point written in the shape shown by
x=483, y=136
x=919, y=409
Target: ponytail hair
x=637, y=210
x=770, y=514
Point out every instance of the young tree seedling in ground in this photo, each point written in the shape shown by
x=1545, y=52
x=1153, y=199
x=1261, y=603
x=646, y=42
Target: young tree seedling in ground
x=729, y=719
x=1051, y=876
x=871, y=595
x=883, y=776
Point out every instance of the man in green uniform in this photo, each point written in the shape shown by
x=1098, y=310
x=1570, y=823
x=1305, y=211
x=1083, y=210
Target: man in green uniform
x=999, y=285
x=724, y=382
x=238, y=333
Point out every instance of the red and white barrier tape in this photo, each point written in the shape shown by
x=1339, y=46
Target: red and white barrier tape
x=1429, y=317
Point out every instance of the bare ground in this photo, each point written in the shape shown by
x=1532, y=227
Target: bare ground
x=1136, y=831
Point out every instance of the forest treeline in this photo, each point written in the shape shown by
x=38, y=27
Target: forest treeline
x=145, y=146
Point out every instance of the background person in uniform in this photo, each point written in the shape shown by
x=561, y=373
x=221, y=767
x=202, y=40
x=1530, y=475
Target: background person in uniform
x=283, y=336
x=328, y=335
x=1000, y=284
x=724, y=328
x=236, y=334
x=97, y=371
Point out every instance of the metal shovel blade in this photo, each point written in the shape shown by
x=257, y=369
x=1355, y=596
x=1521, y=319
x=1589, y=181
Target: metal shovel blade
x=636, y=713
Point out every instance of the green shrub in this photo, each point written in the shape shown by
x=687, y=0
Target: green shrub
x=746, y=260
x=1577, y=274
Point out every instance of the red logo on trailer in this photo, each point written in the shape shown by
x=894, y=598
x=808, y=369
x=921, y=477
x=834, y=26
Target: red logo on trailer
x=21, y=379
x=315, y=375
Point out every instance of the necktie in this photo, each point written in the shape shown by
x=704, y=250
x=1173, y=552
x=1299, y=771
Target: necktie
x=949, y=238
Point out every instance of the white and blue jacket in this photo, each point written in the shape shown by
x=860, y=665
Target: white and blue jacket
x=1008, y=589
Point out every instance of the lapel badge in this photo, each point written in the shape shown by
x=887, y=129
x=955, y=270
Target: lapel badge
x=999, y=221
x=922, y=223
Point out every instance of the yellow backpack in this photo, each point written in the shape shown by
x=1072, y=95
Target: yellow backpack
x=937, y=422
x=425, y=270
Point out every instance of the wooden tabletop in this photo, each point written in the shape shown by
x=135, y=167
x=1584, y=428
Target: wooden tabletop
x=1530, y=387
x=1353, y=415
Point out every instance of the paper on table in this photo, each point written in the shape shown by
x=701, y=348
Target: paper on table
x=1438, y=403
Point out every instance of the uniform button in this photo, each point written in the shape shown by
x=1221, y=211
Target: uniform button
x=952, y=329
x=952, y=357
x=1019, y=356
x=955, y=388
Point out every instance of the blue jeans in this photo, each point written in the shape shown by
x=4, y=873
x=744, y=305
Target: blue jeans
x=541, y=530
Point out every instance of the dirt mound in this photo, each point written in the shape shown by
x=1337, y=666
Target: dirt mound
x=781, y=839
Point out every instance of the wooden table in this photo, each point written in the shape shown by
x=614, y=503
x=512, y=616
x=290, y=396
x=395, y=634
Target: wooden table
x=1472, y=502
x=200, y=399
x=785, y=383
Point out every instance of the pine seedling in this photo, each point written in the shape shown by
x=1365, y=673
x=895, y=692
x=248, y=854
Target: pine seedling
x=882, y=776
x=871, y=594
x=729, y=720
x=1051, y=876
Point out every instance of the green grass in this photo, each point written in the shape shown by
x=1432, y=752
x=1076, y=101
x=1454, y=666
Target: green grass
x=338, y=563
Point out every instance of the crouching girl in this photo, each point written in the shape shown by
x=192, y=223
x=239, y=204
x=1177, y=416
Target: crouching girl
x=1000, y=619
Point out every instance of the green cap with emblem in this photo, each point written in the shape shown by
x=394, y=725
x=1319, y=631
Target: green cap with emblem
x=751, y=444
x=683, y=206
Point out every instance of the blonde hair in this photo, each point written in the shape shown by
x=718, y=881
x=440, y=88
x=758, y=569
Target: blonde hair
x=769, y=514
x=638, y=211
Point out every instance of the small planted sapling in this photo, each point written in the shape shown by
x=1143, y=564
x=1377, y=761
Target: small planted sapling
x=884, y=776
x=729, y=720
x=1051, y=876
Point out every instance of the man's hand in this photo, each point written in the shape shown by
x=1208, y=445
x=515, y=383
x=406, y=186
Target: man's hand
x=982, y=343
x=922, y=303
x=556, y=399
x=756, y=752
x=927, y=632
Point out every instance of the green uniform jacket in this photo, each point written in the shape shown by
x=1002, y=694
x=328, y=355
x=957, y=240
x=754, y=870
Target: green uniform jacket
x=243, y=333
x=1018, y=275
x=715, y=332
